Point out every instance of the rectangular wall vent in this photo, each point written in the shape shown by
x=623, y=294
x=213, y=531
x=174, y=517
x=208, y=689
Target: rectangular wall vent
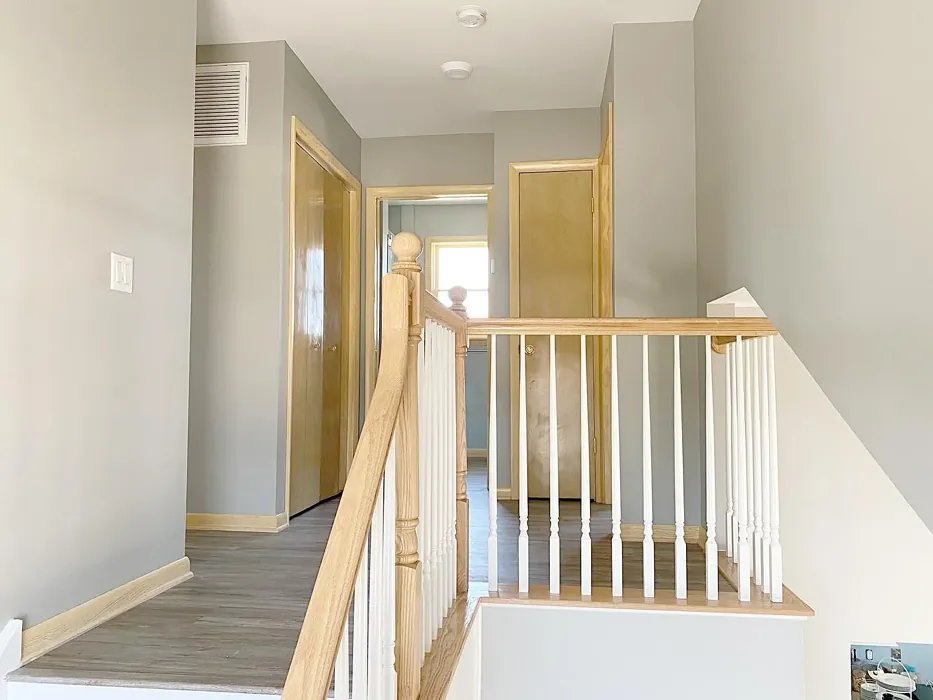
x=221, y=104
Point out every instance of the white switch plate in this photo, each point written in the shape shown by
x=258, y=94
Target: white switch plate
x=121, y=273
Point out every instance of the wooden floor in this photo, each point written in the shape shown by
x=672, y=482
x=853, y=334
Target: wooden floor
x=234, y=626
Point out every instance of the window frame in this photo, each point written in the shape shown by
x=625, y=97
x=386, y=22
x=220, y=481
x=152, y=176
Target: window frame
x=433, y=244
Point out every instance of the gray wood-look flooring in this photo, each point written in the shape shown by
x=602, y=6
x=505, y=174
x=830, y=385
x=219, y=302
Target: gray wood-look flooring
x=234, y=625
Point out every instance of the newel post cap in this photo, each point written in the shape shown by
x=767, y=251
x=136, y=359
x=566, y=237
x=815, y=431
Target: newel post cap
x=406, y=247
x=457, y=296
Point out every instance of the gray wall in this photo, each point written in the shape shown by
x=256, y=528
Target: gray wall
x=456, y=159
x=655, y=251
x=240, y=278
x=526, y=136
x=96, y=133
x=813, y=153
x=556, y=653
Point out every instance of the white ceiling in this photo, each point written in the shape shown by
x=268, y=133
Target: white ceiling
x=379, y=60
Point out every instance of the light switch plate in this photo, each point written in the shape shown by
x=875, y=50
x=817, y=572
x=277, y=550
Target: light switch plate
x=121, y=273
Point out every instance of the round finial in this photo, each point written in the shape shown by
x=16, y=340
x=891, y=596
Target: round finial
x=407, y=247
x=457, y=296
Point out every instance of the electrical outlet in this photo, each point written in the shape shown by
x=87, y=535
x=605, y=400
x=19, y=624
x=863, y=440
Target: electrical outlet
x=121, y=273
x=869, y=654
x=896, y=653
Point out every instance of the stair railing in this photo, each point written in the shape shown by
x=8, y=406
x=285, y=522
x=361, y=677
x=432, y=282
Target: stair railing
x=397, y=556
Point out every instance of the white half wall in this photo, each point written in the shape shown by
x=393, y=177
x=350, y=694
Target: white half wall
x=554, y=653
x=467, y=681
x=11, y=651
x=854, y=549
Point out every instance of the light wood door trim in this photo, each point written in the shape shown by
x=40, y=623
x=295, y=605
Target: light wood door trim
x=301, y=137
x=515, y=171
x=374, y=198
x=605, y=308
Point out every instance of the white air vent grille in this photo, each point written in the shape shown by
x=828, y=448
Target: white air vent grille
x=221, y=102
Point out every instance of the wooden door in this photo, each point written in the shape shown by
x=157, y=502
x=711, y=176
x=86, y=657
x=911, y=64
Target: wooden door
x=336, y=210
x=556, y=279
x=308, y=329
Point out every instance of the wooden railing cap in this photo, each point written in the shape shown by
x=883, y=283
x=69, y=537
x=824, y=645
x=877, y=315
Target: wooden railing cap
x=406, y=247
x=457, y=296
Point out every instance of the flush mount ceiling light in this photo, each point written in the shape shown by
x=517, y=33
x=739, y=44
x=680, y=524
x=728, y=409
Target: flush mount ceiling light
x=457, y=70
x=471, y=16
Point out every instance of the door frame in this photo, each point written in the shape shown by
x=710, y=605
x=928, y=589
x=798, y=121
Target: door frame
x=374, y=198
x=602, y=290
x=301, y=137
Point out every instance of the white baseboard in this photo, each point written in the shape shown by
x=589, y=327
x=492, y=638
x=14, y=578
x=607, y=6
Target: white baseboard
x=11, y=651
x=477, y=453
x=24, y=690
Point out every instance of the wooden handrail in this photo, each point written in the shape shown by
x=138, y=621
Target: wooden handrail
x=316, y=652
x=746, y=327
x=438, y=312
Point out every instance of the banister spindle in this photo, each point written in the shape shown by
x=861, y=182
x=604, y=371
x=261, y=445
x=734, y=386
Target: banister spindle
x=522, y=471
x=554, y=470
x=360, y=675
x=389, y=629
x=457, y=298
x=493, y=473
x=765, y=470
x=743, y=545
x=734, y=445
x=777, y=557
x=712, y=549
x=342, y=668
x=730, y=512
x=680, y=543
x=748, y=419
x=616, y=466
x=755, y=364
x=647, y=486
x=586, y=547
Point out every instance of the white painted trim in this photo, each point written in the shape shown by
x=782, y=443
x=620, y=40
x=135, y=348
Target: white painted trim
x=23, y=690
x=11, y=651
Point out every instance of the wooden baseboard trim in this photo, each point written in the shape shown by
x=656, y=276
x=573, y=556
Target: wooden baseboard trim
x=477, y=452
x=52, y=633
x=504, y=493
x=222, y=522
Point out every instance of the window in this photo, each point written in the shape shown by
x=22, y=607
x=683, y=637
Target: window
x=460, y=261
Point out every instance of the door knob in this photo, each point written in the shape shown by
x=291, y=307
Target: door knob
x=333, y=348
x=529, y=349
x=315, y=346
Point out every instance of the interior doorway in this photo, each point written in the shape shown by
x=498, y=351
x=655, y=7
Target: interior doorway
x=323, y=377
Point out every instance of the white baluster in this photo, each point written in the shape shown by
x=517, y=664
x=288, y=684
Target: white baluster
x=749, y=453
x=734, y=446
x=388, y=629
x=424, y=436
x=765, y=470
x=432, y=486
x=712, y=549
x=342, y=666
x=743, y=545
x=616, y=465
x=555, y=487
x=730, y=512
x=493, y=474
x=680, y=543
x=437, y=483
x=444, y=467
x=522, y=472
x=647, y=497
x=451, y=470
x=361, y=627
x=756, y=454
x=586, y=547
x=377, y=600
x=426, y=487
x=777, y=556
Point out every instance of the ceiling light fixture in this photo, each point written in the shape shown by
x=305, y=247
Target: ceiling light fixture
x=457, y=70
x=471, y=16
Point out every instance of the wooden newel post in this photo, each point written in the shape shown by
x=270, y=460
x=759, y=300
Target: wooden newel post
x=409, y=647
x=457, y=297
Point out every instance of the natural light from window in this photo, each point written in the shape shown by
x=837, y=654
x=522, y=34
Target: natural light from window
x=464, y=264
